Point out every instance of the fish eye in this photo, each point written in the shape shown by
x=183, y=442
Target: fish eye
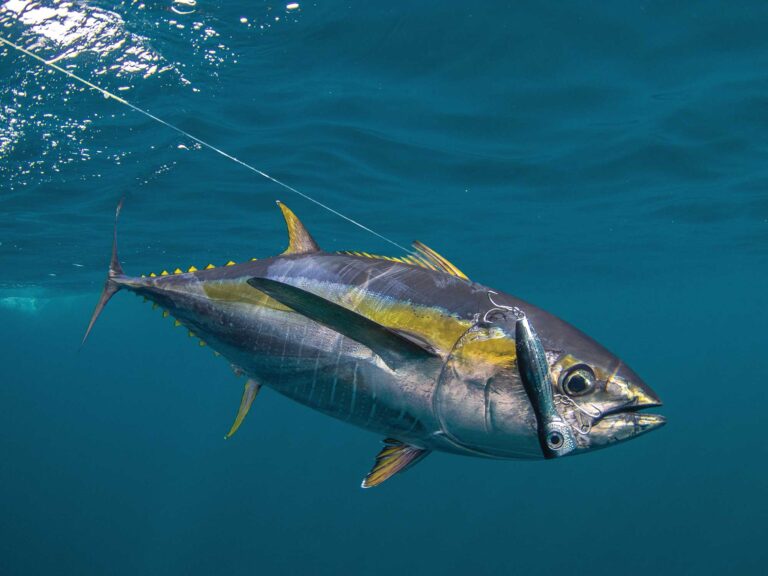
x=579, y=380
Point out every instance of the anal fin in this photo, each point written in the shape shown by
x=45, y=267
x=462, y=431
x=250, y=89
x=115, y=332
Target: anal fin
x=394, y=457
x=249, y=393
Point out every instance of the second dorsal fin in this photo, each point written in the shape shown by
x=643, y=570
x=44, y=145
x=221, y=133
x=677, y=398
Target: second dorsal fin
x=299, y=240
x=438, y=261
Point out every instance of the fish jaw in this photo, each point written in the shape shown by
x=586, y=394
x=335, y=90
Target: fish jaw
x=622, y=426
x=628, y=419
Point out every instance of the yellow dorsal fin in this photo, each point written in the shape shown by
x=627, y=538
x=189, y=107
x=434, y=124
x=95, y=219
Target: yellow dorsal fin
x=426, y=258
x=438, y=261
x=299, y=240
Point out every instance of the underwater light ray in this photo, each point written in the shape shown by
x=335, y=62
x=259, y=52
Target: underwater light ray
x=52, y=64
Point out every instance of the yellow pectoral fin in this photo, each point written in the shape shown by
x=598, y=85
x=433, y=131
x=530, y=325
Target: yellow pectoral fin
x=249, y=393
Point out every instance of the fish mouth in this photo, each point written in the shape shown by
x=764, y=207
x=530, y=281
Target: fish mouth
x=629, y=420
x=630, y=410
x=634, y=405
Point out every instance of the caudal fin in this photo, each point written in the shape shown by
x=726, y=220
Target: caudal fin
x=115, y=271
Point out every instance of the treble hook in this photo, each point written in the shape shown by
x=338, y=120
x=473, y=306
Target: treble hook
x=516, y=312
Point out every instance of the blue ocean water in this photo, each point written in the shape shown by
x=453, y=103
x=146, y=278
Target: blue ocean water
x=606, y=161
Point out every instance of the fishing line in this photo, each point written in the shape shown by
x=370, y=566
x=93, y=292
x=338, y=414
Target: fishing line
x=108, y=94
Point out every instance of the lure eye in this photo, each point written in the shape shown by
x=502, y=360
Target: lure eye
x=578, y=381
x=555, y=440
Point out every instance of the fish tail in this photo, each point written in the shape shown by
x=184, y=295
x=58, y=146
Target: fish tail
x=111, y=286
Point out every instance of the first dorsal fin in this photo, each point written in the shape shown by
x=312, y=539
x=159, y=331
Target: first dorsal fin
x=438, y=261
x=394, y=457
x=299, y=240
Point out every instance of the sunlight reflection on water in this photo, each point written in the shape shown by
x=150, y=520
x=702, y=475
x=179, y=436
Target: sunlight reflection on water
x=69, y=29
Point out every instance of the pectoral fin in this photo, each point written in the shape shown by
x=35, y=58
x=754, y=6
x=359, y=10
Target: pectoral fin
x=390, y=345
x=394, y=457
x=249, y=393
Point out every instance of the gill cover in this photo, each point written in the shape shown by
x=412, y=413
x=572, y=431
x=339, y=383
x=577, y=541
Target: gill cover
x=480, y=404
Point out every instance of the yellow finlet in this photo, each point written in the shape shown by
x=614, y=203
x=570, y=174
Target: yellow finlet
x=191, y=334
x=438, y=261
x=152, y=275
x=249, y=393
x=176, y=323
x=166, y=313
x=178, y=271
x=164, y=273
x=192, y=269
x=299, y=240
x=230, y=263
x=202, y=343
x=210, y=266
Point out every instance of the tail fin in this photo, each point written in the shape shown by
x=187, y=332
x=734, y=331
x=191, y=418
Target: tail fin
x=115, y=270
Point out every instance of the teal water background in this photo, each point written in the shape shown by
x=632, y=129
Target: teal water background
x=606, y=161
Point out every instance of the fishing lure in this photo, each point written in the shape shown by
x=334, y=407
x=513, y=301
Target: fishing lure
x=556, y=437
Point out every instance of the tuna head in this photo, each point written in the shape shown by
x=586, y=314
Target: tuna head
x=484, y=409
x=602, y=398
